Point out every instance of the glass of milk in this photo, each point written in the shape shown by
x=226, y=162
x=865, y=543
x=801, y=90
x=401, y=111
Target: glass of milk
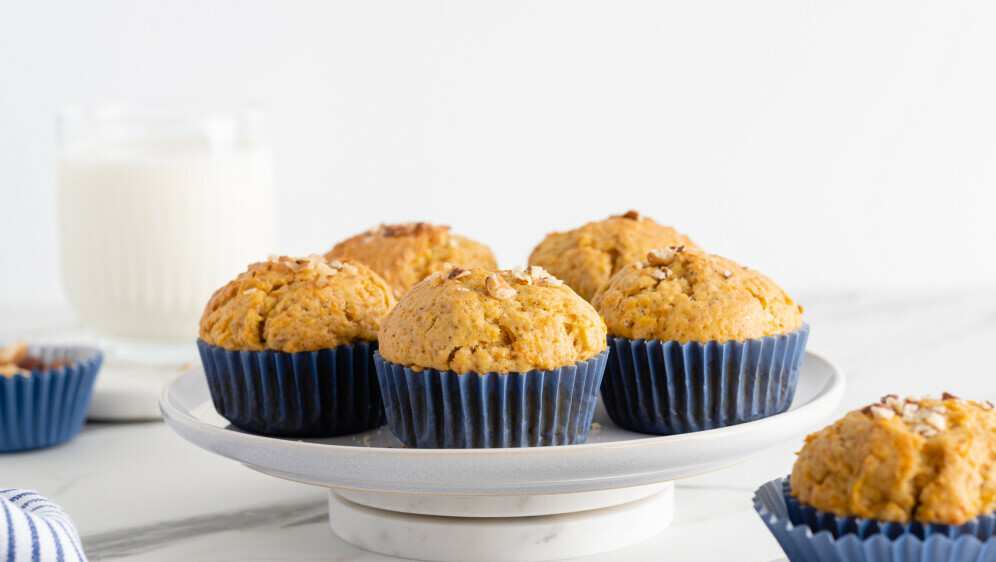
x=159, y=206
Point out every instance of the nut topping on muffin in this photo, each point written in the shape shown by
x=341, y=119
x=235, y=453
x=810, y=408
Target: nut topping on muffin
x=660, y=273
x=498, y=287
x=665, y=256
x=308, y=263
x=404, y=254
x=925, y=420
x=347, y=268
x=436, y=279
x=698, y=302
x=535, y=274
x=407, y=229
x=519, y=272
x=297, y=304
x=541, y=276
x=881, y=411
x=457, y=273
x=491, y=321
x=586, y=257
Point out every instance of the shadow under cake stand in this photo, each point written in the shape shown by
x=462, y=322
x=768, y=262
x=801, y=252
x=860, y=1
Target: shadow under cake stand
x=501, y=505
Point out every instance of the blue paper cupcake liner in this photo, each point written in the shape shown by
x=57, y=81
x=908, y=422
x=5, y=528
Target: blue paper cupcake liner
x=801, y=543
x=666, y=388
x=443, y=410
x=981, y=527
x=310, y=393
x=47, y=407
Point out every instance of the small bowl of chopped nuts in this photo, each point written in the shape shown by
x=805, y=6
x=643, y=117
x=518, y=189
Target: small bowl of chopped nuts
x=45, y=393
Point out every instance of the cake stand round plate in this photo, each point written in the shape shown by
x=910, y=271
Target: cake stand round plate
x=522, y=504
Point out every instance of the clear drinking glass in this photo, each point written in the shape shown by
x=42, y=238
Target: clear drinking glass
x=159, y=205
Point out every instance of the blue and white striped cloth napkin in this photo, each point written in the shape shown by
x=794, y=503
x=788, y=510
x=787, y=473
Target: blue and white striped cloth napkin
x=35, y=529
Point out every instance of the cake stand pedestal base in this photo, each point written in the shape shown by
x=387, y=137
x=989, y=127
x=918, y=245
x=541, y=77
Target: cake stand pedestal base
x=501, y=528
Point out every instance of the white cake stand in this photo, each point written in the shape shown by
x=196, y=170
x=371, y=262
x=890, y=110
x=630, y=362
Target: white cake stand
x=500, y=505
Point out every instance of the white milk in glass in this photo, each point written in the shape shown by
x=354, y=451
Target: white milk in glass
x=156, y=213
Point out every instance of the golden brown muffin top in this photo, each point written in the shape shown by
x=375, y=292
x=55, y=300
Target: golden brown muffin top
x=475, y=320
x=586, y=257
x=930, y=460
x=404, y=254
x=684, y=294
x=297, y=304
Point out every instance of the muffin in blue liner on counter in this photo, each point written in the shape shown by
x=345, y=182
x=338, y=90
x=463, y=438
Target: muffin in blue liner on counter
x=899, y=480
x=472, y=358
x=45, y=393
x=288, y=347
x=698, y=342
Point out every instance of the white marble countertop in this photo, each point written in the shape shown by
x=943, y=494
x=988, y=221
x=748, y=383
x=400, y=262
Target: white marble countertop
x=137, y=491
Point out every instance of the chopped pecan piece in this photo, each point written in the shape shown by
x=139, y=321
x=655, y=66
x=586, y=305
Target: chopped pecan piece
x=458, y=273
x=664, y=256
x=882, y=411
x=498, y=287
x=661, y=273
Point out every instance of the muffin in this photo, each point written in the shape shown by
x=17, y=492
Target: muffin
x=901, y=479
x=930, y=460
x=45, y=393
x=586, y=257
x=476, y=358
x=288, y=347
x=698, y=342
x=404, y=254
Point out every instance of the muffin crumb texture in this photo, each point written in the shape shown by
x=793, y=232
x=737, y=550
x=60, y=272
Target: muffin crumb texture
x=586, y=257
x=297, y=304
x=404, y=254
x=680, y=293
x=485, y=321
x=930, y=460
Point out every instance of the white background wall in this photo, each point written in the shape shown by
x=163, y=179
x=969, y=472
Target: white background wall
x=831, y=145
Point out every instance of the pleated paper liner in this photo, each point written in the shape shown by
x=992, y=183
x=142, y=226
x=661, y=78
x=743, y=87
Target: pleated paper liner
x=981, y=527
x=49, y=406
x=666, y=388
x=444, y=410
x=833, y=539
x=310, y=393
